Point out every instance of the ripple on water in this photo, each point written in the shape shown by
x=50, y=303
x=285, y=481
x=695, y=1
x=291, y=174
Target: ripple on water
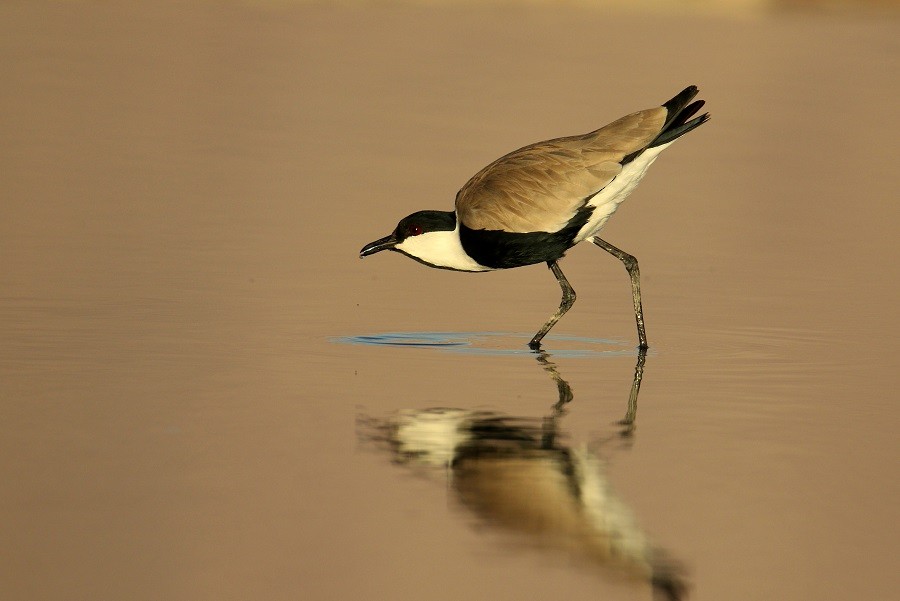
x=493, y=343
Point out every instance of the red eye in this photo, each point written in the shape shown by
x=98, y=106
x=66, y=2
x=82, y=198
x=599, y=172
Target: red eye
x=414, y=230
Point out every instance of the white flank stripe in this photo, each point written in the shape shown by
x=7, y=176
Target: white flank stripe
x=608, y=200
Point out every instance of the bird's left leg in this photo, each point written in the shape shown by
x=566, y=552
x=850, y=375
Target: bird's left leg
x=568, y=299
x=631, y=265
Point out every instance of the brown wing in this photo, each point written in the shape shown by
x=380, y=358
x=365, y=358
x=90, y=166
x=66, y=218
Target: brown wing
x=540, y=187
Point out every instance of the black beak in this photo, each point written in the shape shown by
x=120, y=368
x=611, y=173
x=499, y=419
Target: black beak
x=386, y=243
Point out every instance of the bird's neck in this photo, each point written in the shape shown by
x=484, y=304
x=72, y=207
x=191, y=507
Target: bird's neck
x=441, y=248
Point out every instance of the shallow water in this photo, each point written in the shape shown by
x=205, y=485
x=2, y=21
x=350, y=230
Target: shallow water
x=201, y=383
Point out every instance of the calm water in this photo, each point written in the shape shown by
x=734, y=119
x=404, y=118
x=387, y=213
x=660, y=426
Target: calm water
x=205, y=394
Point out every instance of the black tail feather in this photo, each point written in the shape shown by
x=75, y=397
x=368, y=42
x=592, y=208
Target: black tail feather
x=686, y=113
x=673, y=133
x=680, y=110
x=677, y=104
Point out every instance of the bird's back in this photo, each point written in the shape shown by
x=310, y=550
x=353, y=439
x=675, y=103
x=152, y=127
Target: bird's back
x=542, y=186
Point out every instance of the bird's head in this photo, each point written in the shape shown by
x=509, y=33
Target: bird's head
x=429, y=237
x=417, y=235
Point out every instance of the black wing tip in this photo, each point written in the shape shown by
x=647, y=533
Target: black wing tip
x=681, y=100
x=690, y=110
x=681, y=109
x=676, y=130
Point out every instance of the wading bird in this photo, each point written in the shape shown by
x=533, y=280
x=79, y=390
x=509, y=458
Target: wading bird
x=533, y=204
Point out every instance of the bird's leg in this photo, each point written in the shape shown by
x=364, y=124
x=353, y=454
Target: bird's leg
x=568, y=299
x=631, y=414
x=631, y=265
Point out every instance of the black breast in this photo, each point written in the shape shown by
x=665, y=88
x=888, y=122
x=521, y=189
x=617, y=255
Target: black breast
x=501, y=250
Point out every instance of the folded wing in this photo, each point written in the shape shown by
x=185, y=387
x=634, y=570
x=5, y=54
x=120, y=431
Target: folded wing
x=540, y=187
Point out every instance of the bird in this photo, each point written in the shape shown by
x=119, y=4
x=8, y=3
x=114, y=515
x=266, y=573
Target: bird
x=533, y=204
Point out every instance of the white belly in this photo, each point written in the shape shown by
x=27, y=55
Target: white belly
x=609, y=198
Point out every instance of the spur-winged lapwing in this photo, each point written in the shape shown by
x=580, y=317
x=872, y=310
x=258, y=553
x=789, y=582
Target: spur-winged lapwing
x=533, y=204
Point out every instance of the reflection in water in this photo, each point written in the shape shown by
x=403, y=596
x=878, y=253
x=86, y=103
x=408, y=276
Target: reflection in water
x=518, y=473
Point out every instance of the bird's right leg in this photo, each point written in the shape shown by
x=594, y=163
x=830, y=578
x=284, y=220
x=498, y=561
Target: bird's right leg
x=568, y=299
x=634, y=272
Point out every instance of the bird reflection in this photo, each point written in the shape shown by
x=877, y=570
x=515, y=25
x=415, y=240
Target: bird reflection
x=520, y=474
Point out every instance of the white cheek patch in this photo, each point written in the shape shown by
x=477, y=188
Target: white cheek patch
x=441, y=249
